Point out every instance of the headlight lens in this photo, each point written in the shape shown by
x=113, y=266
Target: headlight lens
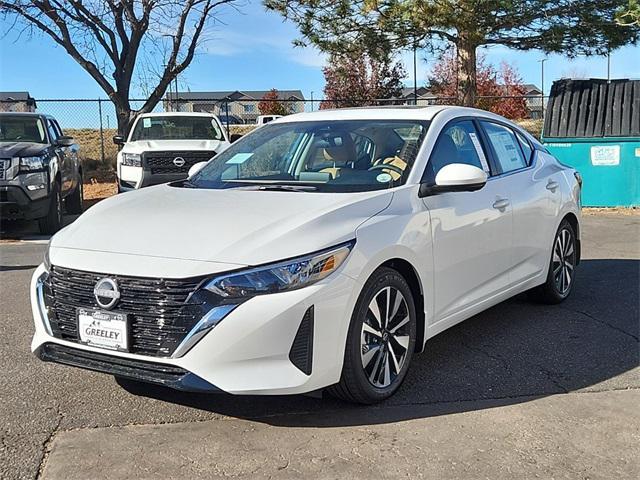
x=283, y=276
x=30, y=164
x=131, y=160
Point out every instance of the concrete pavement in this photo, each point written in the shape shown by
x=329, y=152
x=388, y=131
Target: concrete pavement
x=546, y=390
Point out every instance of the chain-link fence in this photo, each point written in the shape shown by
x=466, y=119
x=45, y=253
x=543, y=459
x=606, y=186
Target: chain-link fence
x=93, y=122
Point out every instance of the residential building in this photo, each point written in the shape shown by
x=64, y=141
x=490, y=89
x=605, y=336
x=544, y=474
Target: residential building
x=17, y=102
x=242, y=104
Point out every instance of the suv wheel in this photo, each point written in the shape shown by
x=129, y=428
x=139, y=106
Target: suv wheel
x=380, y=341
x=53, y=221
x=73, y=202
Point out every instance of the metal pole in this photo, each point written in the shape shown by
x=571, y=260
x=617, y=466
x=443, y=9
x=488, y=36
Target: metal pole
x=542, y=89
x=226, y=109
x=415, y=74
x=101, y=131
x=312, y=100
x=608, y=65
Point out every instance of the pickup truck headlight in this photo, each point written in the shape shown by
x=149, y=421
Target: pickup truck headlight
x=131, y=160
x=31, y=164
x=283, y=276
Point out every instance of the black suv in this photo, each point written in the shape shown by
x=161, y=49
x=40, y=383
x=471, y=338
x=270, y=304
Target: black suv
x=40, y=171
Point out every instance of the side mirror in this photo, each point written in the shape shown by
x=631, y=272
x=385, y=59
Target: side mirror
x=195, y=168
x=235, y=136
x=64, y=141
x=118, y=140
x=456, y=177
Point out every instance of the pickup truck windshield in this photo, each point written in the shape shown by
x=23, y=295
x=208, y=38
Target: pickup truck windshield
x=21, y=128
x=331, y=156
x=176, y=127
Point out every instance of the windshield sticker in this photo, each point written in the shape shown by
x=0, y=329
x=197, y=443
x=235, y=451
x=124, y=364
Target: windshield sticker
x=479, y=151
x=384, y=178
x=146, y=122
x=239, y=158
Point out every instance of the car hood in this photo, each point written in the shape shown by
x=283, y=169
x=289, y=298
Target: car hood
x=21, y=149
x=232, y=226
x=177, y=145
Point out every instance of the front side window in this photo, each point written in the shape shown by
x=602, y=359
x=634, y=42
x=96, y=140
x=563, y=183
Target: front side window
x=505, y=146
x=457, y=143
x=176, y=127
x=22, y=128
x=336, y=156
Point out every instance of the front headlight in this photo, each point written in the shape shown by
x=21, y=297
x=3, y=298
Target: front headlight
x=131, y=160
x=30, y=164
x=283, y=276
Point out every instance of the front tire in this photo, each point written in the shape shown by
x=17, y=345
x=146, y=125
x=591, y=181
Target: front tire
x=380, y=341
x=561, y=276
x=52, y=222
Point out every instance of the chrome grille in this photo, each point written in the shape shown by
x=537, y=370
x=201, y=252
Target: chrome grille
x=5, y=163
x=158, y=313
x=162, y=162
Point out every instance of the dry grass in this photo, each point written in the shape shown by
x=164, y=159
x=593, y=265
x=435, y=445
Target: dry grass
x=597, y=211
x=534, y=127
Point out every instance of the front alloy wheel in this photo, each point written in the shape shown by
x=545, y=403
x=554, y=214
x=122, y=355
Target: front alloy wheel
x=385, y=337
x=380, y=341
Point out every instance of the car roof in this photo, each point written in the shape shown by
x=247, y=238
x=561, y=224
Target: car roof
x=25, y=114
x=403, y=112
x=177, y=114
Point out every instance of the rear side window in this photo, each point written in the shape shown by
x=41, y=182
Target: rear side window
x=526, y=147
x=506, y=147
x=457, y=143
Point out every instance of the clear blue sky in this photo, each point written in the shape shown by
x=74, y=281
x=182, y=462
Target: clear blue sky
x=252, y=50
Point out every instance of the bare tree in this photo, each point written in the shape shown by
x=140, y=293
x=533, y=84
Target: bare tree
x=108, y=37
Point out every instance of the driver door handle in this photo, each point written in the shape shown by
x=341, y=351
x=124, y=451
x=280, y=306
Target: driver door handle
x=552, y=186
x=501, y=204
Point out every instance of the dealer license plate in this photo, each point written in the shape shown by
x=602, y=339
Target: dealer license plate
x=103, y=329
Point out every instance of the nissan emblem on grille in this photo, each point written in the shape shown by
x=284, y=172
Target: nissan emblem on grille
x=106, y=293
x=179, y=162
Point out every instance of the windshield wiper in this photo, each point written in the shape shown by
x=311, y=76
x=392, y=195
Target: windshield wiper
x=287, y=188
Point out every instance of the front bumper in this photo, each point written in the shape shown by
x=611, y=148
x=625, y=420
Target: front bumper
x=133, y=178
x=17, y=203
x=248, y=352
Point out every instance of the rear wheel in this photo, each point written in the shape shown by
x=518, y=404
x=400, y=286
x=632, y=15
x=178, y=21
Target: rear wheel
x=562, y=265
x=52, y=222
x=73, y=202
x=380, y=341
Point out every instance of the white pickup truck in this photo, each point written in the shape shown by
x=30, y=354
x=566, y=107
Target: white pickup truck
x=162, y=147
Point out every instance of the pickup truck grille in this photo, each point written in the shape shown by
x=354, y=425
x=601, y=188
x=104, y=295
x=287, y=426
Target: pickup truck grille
x=165, y=162
x=158, y=315
x=5, y=163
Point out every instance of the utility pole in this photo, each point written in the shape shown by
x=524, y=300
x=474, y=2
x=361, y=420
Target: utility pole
x=542, y=86
x=415, y=73
x=609, y=65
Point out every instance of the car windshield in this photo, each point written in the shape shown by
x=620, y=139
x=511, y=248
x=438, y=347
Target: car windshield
x=334, y=156
x=177, y=127
x=19, y=128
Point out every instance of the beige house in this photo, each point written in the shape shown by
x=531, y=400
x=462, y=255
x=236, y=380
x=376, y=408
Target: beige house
x=17, y=102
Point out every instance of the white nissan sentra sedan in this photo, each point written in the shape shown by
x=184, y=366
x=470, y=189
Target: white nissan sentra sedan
x=322, y=250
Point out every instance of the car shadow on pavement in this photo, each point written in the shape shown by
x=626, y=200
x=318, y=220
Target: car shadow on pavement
x=512, y=353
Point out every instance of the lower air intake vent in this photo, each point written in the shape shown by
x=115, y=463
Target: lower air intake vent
x=301, y=353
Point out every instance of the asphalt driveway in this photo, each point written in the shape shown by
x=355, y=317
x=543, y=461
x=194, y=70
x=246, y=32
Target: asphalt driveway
x=517, y=391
